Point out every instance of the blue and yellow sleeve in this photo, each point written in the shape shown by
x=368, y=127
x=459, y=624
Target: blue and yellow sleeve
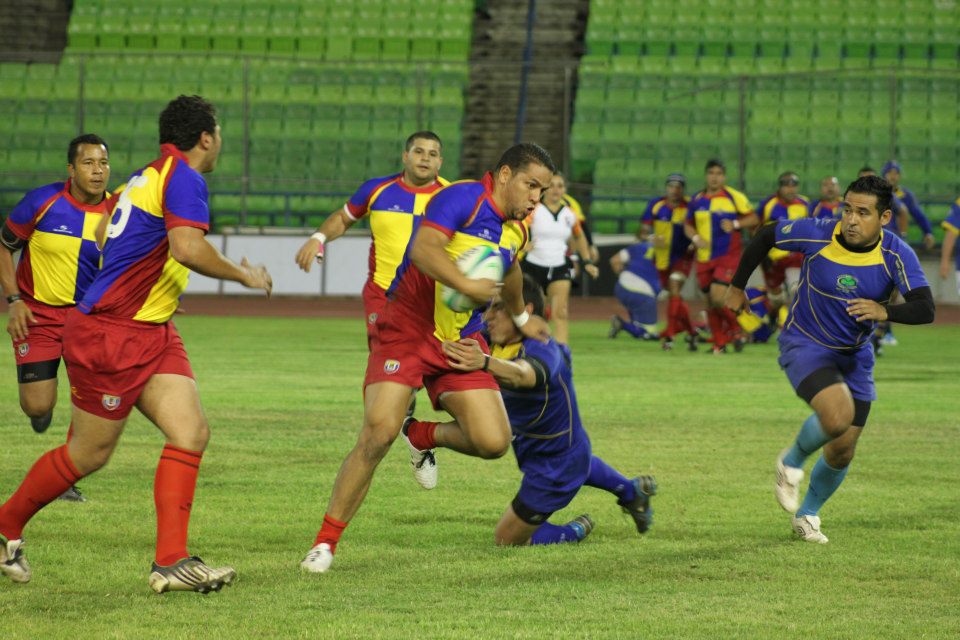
x=905, y=267
x=647, y=217
x=452, y=208
x=23, y=218
x=185, y=202
x=952, y=221
x=807, y=236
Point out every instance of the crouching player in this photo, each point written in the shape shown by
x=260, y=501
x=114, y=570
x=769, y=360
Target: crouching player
x=637, y=288
x=551, y=445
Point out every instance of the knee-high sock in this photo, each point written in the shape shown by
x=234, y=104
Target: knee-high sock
x=683, y=316
x=824, y=480
x=633, y=328
x=603, y=476
x=810, y=438
x=715, y=318
x=330, y=532
x=553, y=533
x=49, y=476
x=672, y=326
x=731, y=326
x=173, y=489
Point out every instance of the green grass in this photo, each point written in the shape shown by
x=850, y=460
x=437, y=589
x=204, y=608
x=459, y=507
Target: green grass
x=284, y=402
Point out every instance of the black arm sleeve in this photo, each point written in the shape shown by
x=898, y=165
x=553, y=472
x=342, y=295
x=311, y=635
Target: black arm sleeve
x=586, y=232
x=539, y=371
x=10, y=240
x=754, y=254
x=918, y=308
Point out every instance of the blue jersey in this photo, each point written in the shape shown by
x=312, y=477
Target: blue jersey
x=906, y=197
x=832, y=275
x=827, y=210
x=639, y=264
x=952, y=224
x=545, y=419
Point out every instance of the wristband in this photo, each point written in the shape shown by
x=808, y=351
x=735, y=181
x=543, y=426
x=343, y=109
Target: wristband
x=486, y=362
x=14, y=298
x=320, y=237
x=736, y=224
x=695, y=237
x=521, y=319
x=588, y=262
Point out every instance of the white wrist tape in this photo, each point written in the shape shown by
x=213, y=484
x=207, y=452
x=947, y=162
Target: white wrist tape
x=521, y=319
x=322, y=237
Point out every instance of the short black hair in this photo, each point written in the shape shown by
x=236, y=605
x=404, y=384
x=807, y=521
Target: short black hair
x=867, y=169
x=873, y=185
x=787, y=174
x=714, y=162
x=533, y=294
x=87, y=138
x=422, y=135
x=520, y=155
x=184, y=119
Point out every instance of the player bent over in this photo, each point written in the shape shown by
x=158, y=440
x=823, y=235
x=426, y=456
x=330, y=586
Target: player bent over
x=122, y=351
x=552, y=447
x=407, y=352
x=850, y=268
x=638, y=285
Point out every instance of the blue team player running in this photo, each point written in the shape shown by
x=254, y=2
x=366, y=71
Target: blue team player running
x=551, y=445
x=637, y=288
x=850, y=269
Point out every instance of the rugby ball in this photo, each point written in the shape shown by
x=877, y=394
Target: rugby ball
x=476, y=263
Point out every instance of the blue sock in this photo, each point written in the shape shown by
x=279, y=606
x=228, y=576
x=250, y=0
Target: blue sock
x=824, y=480
x=603, y=476
x=810, y=438
x=553, y=534
x=633, y=329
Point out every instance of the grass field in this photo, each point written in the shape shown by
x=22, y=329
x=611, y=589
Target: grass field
x=283, y=400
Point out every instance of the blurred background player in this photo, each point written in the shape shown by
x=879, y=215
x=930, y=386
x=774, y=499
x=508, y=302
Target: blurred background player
x=407, y=344
x=662, y=225
x=53, y=227
x=951, y=228
x=554, y=229
x=781, y=269
x=828, y=206
x=891, y=173
x=577, y=208
x=846, y=289
x=122, y=351
x=756, y=318
x=715, y=217
x=552, y=448
x=637, y=288
x=394, y=205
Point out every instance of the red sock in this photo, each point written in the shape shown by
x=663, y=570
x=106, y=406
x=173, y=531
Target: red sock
x=715, y=319
x=173, y=488
x=50, y=476
x=671, y=329
x=732, y=325
x=420, y=434
x=330, y=532
x=683, y=317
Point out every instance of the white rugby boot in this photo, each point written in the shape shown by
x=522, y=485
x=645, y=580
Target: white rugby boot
x=424, y=463
x=318, y=559
x=788, y=485
x=13, y=563
x=808, y=528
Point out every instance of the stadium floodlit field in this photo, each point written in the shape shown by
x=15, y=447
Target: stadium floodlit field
x=283, y=400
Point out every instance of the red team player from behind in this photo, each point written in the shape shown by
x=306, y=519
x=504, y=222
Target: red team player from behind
x=122, y=351
x=714, y=219
x=407, y=346
x=394, y=205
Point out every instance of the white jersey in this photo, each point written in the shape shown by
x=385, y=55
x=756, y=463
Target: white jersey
x=549, y=234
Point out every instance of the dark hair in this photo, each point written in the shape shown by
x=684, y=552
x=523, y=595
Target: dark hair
x=533, y=294
x=867, y=169
x=87, y=138
x=184, y=119
x=422, y=135
x=713, y=162
x=520, y=155
x=787, y=174
x=873, y=185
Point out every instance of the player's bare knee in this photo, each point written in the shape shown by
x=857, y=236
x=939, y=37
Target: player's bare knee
x=836, y=420
x=375, y=440
x=491, y=448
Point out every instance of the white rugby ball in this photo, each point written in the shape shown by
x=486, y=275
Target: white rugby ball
x=476, y=263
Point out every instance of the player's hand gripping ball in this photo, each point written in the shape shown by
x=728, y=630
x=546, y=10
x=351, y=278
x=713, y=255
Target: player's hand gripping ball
x=476, y=263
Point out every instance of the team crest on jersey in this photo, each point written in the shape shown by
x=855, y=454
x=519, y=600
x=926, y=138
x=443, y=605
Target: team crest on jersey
x=372, y=318
x=23, y=349
x=391, y=366
x=846, y=283
x=787, y=228
x=110, y=403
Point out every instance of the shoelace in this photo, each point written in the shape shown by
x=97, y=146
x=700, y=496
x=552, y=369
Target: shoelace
x=427, y=455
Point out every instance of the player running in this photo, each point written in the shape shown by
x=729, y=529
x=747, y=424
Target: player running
x=407, y=351
x=664, y=218
x=849, y=271
x=395, y=206
x=783, y=267
x=122, y=351
x=552, y=448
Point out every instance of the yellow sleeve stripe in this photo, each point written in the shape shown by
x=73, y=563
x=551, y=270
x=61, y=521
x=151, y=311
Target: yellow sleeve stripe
x=949, y=227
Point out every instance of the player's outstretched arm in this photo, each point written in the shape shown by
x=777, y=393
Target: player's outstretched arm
x=753, y=255
x=189, y=247
x=466, y=355
x=690, y=231
x=530, y=326
x=430, y=256
x=946, y=252
x=583, y=250
x=332, y=228
x=19, y=314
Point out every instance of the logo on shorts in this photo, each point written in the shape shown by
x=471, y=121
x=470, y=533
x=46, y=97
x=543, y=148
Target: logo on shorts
x=372, y=318
x=23, y=349
x=846, y=283
x=110, y=403
x=390, y=367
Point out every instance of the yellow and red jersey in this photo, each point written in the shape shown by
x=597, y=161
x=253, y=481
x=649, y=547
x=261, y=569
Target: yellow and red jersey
x=774, y=209
x=667, y=222
x=61, y=257
x=393, y=207
x=138, y=278
x=706, y=213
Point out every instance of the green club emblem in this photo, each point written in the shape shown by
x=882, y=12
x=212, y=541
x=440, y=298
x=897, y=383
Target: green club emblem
x=846, y=283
